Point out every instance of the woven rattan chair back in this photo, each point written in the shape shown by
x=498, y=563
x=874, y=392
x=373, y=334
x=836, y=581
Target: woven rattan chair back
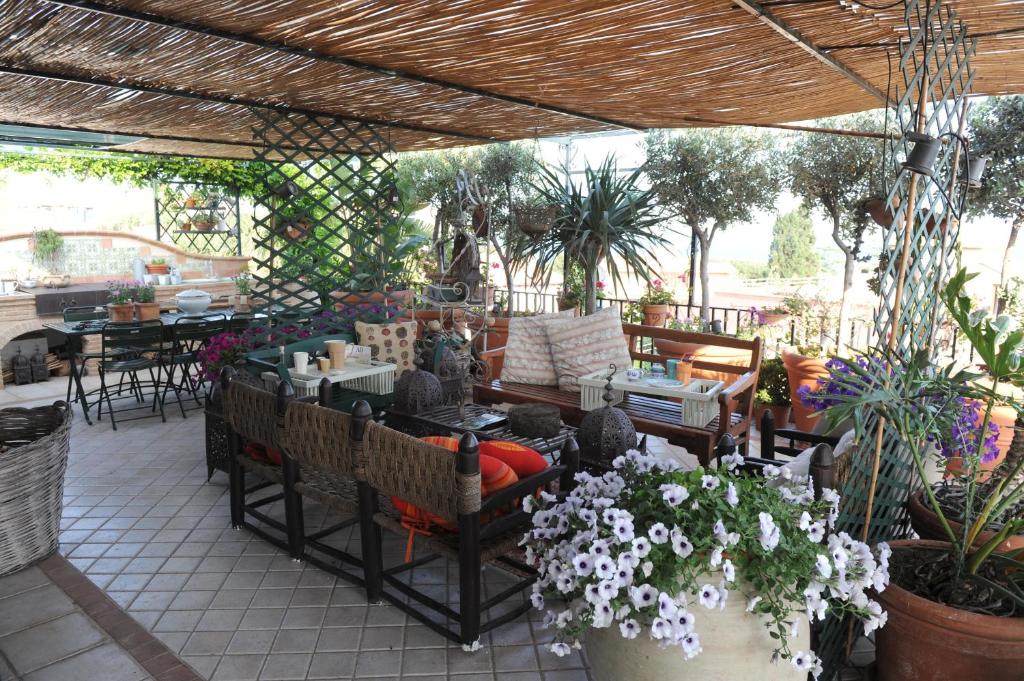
x=422, y=474
x=319, y=437
x=253, y=414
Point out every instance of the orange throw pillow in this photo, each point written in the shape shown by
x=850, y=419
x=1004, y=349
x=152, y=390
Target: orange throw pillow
x=520, y=458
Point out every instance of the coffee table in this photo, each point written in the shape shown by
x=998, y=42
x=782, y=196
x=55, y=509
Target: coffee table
x=450, y=419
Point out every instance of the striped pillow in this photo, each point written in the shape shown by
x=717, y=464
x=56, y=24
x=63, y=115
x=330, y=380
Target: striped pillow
x=588, y=344
x=527, y=355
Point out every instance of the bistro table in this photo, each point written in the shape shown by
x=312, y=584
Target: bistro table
x=74, y=332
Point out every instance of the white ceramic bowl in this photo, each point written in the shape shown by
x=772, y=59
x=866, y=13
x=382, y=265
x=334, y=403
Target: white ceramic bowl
x=193, y=301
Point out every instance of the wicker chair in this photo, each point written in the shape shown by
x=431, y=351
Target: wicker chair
x=448, y=486
x=33, y=459
x=324, y=443
x=256, y=416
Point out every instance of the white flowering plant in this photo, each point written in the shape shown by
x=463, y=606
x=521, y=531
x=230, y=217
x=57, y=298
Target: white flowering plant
x=647, y=545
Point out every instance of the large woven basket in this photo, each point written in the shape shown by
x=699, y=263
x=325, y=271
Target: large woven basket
x=33, y=458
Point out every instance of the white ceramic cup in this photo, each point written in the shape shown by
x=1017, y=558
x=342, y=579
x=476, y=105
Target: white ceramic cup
x=300, y=360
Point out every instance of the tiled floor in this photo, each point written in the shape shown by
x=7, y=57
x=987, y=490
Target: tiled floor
x=142, y=522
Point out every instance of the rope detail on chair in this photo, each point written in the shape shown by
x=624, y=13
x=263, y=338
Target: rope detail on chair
x=319, y=437
x=419, y=473
x=252, y=413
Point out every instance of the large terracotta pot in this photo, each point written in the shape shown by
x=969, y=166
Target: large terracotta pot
x=780, y=413
x=926, y=641
x=737, y=357
x=656, y=315
x=147, y=312
x=120, y=312
x=736, y=645
x=927, y=525
x=803, y=370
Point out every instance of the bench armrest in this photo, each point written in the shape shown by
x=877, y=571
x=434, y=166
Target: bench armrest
x=747, y=381
x=495, y=360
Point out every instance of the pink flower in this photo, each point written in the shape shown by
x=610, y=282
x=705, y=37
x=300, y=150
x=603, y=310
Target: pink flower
x=599, y=285
x=495, y=265
x=658, y=283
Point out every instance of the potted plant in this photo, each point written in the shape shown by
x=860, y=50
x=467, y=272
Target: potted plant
x=775, y=314
x=119, y=307
x=243, y=287
x=157, y=266
x=773, y=391
x=48, y=254
x=641, y=563
x=656, y=303
x=225, y=349
x=146, y=307
x=204, y=221
x=806, y=369
x=955, y=606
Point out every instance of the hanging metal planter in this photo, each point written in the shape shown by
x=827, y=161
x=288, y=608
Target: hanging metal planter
x=535, y=221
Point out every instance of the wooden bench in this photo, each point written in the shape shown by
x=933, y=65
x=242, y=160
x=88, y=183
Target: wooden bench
x=654, y=416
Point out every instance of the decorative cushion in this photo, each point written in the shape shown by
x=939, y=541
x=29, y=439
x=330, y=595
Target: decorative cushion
x=520, y=458
x=527, y=353
x=587, y=344
x=390, y=343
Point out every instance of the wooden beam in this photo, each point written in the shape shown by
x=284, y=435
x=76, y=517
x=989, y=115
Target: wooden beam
x=765, y=16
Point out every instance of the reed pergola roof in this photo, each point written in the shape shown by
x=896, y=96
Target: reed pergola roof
x=440, y=73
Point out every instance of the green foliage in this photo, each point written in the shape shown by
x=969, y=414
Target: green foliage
x=997, y=127
x=607, y=219
x=656, y=294
x=748, y=269
x=144, y=293
x=773, y=383
x=48, y=249
x=245, y=177
x=793, y=253
x=836, y=174
x=1013, y=299
x=921, y=403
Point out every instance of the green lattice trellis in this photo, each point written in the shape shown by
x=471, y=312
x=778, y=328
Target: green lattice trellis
x=931, y=95
x=329, y=194
x=179, y=206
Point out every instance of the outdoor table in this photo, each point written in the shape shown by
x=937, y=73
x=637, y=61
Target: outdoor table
x=460, y=421
x=74, y=332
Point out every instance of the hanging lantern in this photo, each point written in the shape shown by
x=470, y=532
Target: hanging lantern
x=22, y=369
x=921, y=158
x=607, y=432
x=40, y=370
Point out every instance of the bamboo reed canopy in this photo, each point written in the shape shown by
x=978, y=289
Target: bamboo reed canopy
x=184, y=74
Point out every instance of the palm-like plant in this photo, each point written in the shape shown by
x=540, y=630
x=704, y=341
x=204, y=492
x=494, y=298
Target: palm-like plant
x=608, y=218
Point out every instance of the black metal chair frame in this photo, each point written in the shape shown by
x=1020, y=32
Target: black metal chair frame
x=188, y=336
x=128, y=348
x=269, y=475
x=471, y=537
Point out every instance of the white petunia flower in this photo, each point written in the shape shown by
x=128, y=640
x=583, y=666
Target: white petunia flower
x=823, y=566
x=803, y=661
x=710, y=481
x=583, y=564
x=681, y=546
x=608, y=589
x=729, y=571
x=691, y=645
x=641, y=547
x=666, y=606
x=537, y=600
x=816, y=532
x=770, y=535
x=674, y=494
x=709, y=596
x=623, y=530
x=752, y=603
x=731, y=496
x=660, y=629
x=805, y=520
x=658, y=533
x=643, y=596
x=716, y=557
x=560, y=649
x=604, y=567
x=630, y=629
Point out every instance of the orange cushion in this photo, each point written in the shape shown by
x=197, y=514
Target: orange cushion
x=523, y=460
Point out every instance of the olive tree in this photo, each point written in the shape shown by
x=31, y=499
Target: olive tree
x=836, y=174
x=710, y=179
x=998, y=132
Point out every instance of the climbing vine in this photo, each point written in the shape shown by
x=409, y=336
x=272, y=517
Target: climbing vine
x=244, y=176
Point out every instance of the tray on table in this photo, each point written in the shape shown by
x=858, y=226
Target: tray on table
x=699, y=397
x=377, y=378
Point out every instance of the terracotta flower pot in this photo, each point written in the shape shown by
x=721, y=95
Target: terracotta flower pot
x=780, y=413
x=773, y=318
x=496, y=334
x=927, y=641
x=656, y=315
x=803, y=370
x=152, y=268
x=121, y=312
x=145, y=312
x=926, y=523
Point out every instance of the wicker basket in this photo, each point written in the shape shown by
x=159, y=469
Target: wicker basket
x=33, y=459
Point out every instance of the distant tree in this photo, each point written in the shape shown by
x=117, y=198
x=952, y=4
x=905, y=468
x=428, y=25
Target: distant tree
x=836, y=174
x=998, y=132
x=793, y=253
x=710, y=179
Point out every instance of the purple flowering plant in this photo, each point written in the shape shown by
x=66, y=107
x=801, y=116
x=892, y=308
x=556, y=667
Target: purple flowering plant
x=944, y=411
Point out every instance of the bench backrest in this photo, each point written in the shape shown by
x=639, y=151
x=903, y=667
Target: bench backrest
x=673, y=343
